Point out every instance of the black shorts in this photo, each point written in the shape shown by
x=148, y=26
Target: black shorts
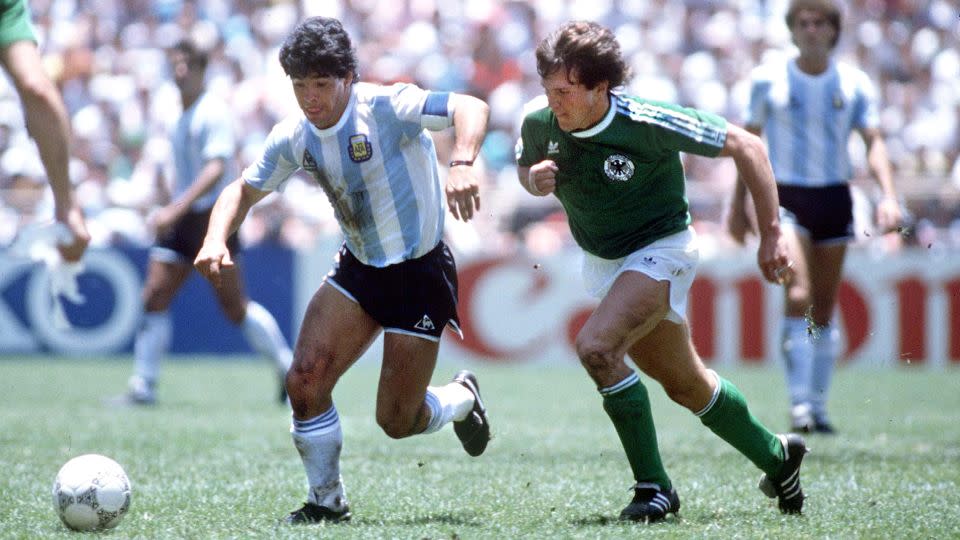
x=825, y=213
x=182, y=242
x=417, y=297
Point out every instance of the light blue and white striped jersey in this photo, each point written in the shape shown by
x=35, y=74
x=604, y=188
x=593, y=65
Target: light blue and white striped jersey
x=377, y=165
x=202, y=133
x=808, y=119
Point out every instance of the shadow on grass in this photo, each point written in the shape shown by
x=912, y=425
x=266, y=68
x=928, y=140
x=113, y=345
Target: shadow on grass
x=598, y=520
x=460, y=520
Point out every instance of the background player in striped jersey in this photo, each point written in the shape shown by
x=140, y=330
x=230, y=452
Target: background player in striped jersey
x=366, y=145
x=203, y=146
x=807, y=106
x=613, y=161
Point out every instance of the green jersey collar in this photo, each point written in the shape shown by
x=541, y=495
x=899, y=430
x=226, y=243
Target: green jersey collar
x=602, y=124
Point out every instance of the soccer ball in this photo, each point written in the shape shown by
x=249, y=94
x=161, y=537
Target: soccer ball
x=91, y=492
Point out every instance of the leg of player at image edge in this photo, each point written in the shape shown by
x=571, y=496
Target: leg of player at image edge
x=319, y=441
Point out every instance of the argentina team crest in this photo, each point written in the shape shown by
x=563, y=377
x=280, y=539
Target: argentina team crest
x=360, y=148
x=618, y=168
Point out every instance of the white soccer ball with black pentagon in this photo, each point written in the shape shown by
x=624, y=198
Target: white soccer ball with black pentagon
x=91, y=492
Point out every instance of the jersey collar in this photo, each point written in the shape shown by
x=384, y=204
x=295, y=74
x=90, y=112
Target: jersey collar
x=601, y=125
x=343, y=117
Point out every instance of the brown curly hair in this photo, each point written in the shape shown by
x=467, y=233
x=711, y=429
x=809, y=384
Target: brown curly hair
x=586, y=50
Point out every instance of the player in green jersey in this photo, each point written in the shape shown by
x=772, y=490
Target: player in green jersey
x=613, y=162
x=46, y=118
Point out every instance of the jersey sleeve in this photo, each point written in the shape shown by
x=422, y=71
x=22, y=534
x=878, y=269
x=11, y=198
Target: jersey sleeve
x=277, y=161
x=756, y=113
x=428, y=109
x=218, y=138
x=866, y=113
x=679, y=129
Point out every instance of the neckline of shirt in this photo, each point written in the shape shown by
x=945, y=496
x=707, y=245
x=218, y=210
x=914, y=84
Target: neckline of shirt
x=601, y=125
x=326, y=132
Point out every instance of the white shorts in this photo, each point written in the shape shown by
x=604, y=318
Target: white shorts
x=672, y=259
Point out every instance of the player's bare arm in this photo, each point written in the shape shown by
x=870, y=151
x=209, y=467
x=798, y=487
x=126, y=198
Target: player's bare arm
x=539, y=179
x=470, y=126
x=228, y=213
x=754, y=170
x=206, y=180
x=739, y=219
x=889, y=214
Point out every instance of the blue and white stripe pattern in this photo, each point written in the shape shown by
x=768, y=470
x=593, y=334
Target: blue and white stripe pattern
x=807, y=119
x=436, y=410
x=203, y=132
x=327, y=422
x=687, y=125
x=627, y=382
x=377, y=165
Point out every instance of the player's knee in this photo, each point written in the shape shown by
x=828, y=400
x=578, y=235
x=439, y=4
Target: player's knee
x=235, y=314
x=596, y=355
x=308, y=380
x=798, y=299
x=395, y=425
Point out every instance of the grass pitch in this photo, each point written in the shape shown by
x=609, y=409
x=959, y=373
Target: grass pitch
x=214, y=458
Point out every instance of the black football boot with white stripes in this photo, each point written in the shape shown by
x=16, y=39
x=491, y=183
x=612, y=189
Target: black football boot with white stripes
x=651, y=503
x=785, y=487
x=474, y=430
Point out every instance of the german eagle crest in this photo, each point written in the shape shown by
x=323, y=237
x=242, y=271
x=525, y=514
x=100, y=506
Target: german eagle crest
x=618, y=168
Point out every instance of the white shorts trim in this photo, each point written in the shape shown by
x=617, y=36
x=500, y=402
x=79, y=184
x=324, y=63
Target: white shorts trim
x=166, y=255
x=673, y=259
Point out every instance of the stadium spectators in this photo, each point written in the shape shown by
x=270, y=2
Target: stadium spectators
x=107, y=57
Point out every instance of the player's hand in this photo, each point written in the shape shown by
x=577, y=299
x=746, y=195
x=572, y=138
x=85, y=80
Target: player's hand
x=212, y=260
x=773, y=259
x=73, y=249
x=889, y=215
x=542, y=178
x=463, y=192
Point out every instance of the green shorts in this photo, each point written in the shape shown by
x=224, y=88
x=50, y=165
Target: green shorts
x=15, y=23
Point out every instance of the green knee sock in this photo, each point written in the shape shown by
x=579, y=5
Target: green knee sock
x=730, y=419
x=628, y=406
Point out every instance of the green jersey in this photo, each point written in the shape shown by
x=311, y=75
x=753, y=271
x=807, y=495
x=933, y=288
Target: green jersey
x=15, y=24
x=621, y=182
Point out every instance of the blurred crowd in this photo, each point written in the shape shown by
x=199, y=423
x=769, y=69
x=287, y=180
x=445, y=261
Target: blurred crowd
x=108, y=58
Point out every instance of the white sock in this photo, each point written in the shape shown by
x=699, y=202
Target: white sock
x=797, y=349
x=151, y=342
x=263, y=334
x=319, y=441
x=825, y=350
x=450, y=402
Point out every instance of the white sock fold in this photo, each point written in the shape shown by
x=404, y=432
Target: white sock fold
x=450, y=402
x=319, y=441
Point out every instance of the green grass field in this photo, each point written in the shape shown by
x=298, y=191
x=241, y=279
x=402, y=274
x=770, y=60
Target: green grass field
x=214, y=458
